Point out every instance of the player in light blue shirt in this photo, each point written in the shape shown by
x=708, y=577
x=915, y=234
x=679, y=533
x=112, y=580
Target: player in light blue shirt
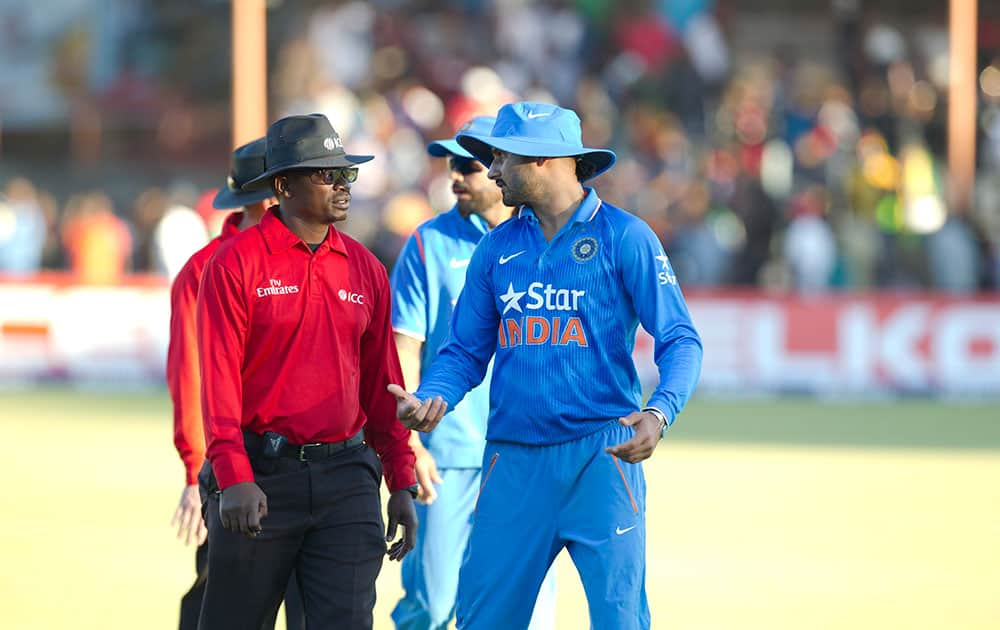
x=426, y=282
x=557, y=294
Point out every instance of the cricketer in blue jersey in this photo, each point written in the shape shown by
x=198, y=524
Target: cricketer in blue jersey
x=426, y=281
x=556, y=294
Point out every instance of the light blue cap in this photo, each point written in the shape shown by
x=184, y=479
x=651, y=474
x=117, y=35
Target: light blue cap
x=445, y=148
x=535, y=130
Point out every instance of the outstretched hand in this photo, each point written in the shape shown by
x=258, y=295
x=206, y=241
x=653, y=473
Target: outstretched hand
x=640, y=446
x=417, y=415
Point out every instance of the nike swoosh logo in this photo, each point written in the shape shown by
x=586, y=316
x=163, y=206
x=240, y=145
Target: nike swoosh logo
x=505, y=259
x=458, y=264
x=537, y=114
x=620, y=531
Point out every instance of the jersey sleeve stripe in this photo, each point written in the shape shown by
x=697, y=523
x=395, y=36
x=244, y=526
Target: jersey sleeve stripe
x=420, y=246
x=409, y=333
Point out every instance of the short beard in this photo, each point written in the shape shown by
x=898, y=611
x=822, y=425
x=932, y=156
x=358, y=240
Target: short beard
x=479, y=202
x=514, y=199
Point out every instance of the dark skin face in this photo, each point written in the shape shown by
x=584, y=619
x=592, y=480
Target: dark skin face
x=307, y=207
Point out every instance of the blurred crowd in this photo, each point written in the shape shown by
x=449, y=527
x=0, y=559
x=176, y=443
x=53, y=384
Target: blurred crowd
x=764, y=168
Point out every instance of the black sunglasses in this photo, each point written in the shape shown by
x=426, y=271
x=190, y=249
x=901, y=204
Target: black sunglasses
x=330, y=176
x=465, y=166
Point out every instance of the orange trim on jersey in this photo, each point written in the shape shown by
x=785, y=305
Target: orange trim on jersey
x=635, y=508
x=493, y=462
x=420, y=246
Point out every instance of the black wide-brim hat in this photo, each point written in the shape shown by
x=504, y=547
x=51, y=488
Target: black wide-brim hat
x=303, y=142
x=247, y=162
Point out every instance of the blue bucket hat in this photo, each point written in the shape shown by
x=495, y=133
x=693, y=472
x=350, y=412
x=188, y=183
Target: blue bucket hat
x=246, y=163
x=535, y=130
x=480, y=126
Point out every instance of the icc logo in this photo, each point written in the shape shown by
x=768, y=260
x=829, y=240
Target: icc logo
x=353, y=298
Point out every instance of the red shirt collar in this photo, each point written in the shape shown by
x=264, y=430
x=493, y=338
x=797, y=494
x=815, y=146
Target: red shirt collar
x=231, y=226
x=278, y=237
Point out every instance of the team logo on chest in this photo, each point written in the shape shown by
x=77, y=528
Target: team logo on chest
x=584, y=249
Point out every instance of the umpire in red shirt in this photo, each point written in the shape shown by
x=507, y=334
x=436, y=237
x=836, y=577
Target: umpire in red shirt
x=184, y=377
x=296, y=352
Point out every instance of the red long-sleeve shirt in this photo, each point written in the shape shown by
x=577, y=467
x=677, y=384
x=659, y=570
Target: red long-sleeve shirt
x=299, y=343
x=183, y=377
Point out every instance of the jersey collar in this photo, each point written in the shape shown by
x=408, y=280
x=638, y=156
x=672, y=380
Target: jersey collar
x=584, y=213
x=278, y=237
x=231, y=226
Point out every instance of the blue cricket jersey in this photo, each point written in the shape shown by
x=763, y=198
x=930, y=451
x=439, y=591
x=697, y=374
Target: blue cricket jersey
x=426, y=282
x=561, y=317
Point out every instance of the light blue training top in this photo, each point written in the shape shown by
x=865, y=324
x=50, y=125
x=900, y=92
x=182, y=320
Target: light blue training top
x=426, y=281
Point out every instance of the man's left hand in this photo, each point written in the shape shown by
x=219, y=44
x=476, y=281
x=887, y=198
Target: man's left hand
x=187, y=517
x=401, y=512
x=641, y=445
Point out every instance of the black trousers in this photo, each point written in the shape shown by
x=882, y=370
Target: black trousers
x=295, y=618
x=324, y=524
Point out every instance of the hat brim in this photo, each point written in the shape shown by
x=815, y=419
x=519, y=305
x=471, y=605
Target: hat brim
x=227, y=199
x=338, y=161
x=446, y=148
x=481, y=147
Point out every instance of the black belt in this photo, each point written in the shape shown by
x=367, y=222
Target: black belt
x=302, y=452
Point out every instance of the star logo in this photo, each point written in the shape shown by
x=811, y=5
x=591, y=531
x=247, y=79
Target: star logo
x=665, y=275
x=512, y=299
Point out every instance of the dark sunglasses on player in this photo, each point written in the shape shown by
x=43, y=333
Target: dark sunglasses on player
x=465, y=166
x=330, y=176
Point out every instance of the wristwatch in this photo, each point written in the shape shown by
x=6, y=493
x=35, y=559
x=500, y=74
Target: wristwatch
x=414, y=490
x=664, y=425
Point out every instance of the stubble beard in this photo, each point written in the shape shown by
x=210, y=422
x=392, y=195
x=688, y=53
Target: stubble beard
x=511, y=198
x=478, y=202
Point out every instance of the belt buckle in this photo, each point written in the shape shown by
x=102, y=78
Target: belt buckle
x=302, y=451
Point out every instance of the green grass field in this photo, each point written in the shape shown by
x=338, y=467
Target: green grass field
x=762, y=514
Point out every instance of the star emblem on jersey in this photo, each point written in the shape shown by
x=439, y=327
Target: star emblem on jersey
x=666, y=275
x=512, y=299
x=584, y=249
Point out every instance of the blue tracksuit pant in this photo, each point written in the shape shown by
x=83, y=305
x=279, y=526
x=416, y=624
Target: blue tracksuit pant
x=535, y=500
x=430, y=570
